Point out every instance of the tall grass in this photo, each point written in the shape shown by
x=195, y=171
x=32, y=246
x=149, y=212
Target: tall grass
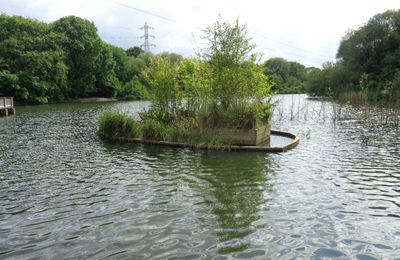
x=302, y=109
x=182, y=129
x=117, y=124
x=240, y=116
x=353, y=97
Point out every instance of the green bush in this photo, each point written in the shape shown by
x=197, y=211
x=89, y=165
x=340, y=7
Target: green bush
x=244, y=116
x=156, y=115
x=154, y=130
x=116, y=124
x=134, y=90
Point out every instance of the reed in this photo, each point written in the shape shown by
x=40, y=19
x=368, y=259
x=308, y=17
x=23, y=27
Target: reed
x=116, y=124
x=302, y=109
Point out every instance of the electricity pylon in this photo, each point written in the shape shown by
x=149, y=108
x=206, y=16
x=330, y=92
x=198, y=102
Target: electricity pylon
x=146, y=45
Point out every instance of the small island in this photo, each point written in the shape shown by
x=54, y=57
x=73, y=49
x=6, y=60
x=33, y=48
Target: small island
x=220, y=100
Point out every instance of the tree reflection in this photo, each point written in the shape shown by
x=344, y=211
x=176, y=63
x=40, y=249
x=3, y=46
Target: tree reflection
x=237, y=185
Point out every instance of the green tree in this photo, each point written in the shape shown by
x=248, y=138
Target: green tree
x=32, y=61
x=288, y=76
x=90, y=61
x=121, y=59
x=368, y=60
x=134, y=51
x=162, y=76
x=234, y=76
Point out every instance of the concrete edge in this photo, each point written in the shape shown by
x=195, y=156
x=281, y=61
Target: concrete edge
x=291, y=145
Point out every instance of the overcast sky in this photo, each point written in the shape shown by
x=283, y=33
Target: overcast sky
x=307, y=31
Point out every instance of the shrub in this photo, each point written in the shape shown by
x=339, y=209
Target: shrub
x=244, y=115
x=154, y=130
x=134, y=90
x=156, y=115
x=116, y=124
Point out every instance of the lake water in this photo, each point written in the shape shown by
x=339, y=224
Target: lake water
x=65, y=193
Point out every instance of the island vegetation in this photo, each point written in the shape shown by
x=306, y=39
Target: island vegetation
x=191, y=98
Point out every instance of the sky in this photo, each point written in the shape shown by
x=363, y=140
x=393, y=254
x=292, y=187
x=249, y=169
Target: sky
x=307, y=31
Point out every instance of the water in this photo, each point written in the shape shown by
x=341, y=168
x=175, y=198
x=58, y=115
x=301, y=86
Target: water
x=64, y=193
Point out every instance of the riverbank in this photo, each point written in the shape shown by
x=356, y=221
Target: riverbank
x=96, y=100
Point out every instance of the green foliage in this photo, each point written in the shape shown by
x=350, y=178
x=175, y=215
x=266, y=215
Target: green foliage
x=174, y=58
x=116, y=124
x=243, y=116
x=234, y=76
x=134, y=90
x=87, y=53
x=191, y=97
x=154, y=130
x=48, y=63
x=162, y=76
x=368, y=61
x=238, y=87
x=32, y=61
x=287, y=76
x=134, y=51
x=156, y=115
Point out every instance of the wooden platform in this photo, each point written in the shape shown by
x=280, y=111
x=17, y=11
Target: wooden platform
x=267, y=149
x=7, y=106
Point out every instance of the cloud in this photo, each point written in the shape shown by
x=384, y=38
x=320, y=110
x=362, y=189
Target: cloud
x=306, y=31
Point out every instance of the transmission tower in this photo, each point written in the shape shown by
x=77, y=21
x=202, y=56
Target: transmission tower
x=146, y=45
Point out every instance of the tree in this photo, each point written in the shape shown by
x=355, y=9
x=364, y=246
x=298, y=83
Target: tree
x=134, y=51
x=373, y=50
x=32, y=62
x=234, y=76
x=121, y=59
x=368, y=60
x=90, y=61
x=288, y=76
x=162, y=76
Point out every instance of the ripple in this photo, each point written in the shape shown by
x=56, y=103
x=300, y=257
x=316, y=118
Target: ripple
x=64, y=193
x=323, y=253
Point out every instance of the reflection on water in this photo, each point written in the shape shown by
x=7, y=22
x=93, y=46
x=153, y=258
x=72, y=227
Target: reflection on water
x=237, y=182
x=64, y=193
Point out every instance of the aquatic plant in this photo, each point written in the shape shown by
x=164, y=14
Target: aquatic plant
x=116, y=124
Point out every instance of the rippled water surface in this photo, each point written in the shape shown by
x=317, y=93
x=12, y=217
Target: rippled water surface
x=64, y=193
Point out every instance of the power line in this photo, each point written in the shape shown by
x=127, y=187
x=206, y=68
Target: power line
x=315, y=54
x=143, y=11
x=290, y=46
x=120, y=37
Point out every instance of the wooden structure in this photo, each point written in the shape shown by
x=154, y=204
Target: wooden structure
x=258, y=136
x=7, y=106
x=248, y=148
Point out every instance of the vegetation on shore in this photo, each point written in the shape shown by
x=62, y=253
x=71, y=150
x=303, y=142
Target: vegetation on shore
x=223, y=88
x=367, y=66
x=65, y=60
x=289, y=77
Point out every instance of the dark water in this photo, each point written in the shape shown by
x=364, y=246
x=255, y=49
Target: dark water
x=64, y=193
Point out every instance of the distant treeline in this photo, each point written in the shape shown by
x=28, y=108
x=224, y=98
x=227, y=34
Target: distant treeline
x=54, y=62
x=368, y=63
x=49, y=63
x=288, y=77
